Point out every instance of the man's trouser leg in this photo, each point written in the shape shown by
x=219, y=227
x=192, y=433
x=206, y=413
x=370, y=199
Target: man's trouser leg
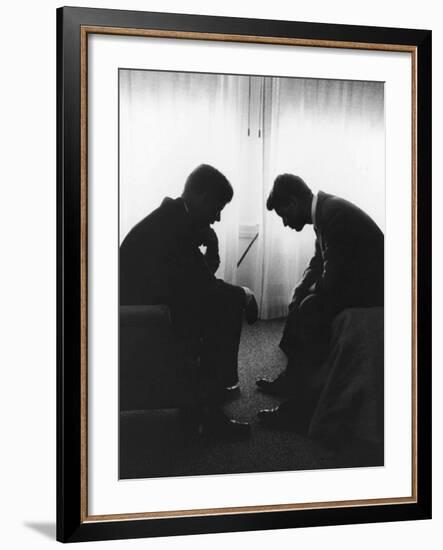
x=212, y=329
x=221, y=335
x=307, y=331
x=306, y=342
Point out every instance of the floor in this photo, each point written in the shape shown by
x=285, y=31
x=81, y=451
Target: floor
x=155, y=443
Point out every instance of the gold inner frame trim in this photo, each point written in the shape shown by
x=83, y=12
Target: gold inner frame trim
x=84, y=32
x=245, y=38
x=249, y=509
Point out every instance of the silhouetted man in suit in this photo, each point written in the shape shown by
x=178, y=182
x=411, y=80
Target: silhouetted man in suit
x=161, y=263
x=347, y=270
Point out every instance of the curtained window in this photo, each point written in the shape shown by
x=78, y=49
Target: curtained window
x=331, y=133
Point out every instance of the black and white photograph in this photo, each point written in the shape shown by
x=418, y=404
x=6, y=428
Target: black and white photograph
x=251, y=273
x=220, y=230
x=243, y=274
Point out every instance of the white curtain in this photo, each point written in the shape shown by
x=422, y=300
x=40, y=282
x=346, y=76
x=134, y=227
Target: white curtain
x=331, y=133
x=169, y=124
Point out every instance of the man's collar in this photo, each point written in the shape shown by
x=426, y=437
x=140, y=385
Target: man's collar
x=314, y=211
x=180, y=211
x=185, y=205
x=188, y=223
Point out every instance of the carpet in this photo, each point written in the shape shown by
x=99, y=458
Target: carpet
x=154, y=444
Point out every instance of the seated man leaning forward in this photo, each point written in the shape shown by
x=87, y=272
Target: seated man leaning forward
x=347, y=270
x=161, y=263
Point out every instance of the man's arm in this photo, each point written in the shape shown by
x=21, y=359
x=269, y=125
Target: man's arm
x=339, y=244
x=310, y=276
x=211, y=256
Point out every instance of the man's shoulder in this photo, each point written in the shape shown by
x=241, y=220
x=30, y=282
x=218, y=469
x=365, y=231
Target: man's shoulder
x=168, y=209
x=333, y=202
x=332, y=206
x=156, y=225
x=339, y=213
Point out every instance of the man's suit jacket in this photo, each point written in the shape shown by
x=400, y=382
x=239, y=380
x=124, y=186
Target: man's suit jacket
x=160, y=260
x=347, y=269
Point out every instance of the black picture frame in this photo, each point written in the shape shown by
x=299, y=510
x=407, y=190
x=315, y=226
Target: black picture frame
x=73, y=523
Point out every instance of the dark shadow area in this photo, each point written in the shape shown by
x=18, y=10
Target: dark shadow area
x=155, y=443
x=48, y=530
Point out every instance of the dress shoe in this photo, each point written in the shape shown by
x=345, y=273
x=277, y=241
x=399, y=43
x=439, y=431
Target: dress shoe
x=275, y=418
x=219, y=426
x=282, y=385
x=285, y=416
x=233, y=388
x=230, y=393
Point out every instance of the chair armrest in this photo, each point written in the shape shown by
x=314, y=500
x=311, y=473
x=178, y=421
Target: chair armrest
x=145, y=315
x=150, y=358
